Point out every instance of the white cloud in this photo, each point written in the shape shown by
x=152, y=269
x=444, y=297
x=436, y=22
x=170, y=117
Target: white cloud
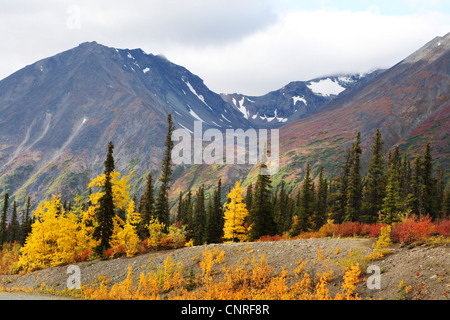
x=251, y=46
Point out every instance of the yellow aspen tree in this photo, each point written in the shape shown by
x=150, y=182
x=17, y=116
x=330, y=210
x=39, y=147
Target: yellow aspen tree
x=234, y=216
x=128, y=235
x=119, y=188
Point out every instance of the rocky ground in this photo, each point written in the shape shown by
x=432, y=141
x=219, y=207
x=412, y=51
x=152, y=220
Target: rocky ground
x=425, y=268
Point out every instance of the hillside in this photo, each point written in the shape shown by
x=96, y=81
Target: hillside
x=422, y=267
x=409, y=103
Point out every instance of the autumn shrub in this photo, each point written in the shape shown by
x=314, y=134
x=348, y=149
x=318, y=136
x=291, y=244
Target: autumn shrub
x=9, y=255
x=412, y=229
x=270, y=238
x=443, y=227
x=351, y=229
x=86, y=255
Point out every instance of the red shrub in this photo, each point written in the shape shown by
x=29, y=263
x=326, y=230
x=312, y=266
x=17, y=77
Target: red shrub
x=443, y=227
x=412, y=229
x=85, y=255
x=374, y=229
x=270, y=238
x=109, y=253
x=166, y=243
x=352, y=229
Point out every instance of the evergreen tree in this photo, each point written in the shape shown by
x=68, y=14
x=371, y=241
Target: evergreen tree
x=440, y=189
x=375, y=184
x=354, y=187
x=105, y=213
x=249, y=197
x=415, y=199
x=199, y=217
x=13, y=228
x=391, y=202
x=429, y=184
x=214, y=229
x=338, y=194
x=320, y=215
x=146, y=210
x=446, y=203
x=261, y=215
x=25, y=227
x=281, y=212
x=306, y=206
x=162, y=200
x=4, y=220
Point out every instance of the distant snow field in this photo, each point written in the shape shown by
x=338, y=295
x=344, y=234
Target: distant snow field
x=326, y=87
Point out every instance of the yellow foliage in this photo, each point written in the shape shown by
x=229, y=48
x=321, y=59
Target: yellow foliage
x=234, y=216
x=56, y=237
x=119, y=188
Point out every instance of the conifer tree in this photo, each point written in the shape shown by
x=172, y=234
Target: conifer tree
x=440, y=189
x=306, y=206
x=415, y=199
x=281, y=212
x=249, y=197
x=162, y=200
x=375, y=184
x=105, y=213
x=338, y=194
x=13, y=228
x=199, y=217
x=214, y=224
x=234, y=216
x=3, y=235
x=261, y=216
x=320, y=215
x=146, y=209
x=429, y=184
x=391, y=202
x=25, y=227
x=354, y=187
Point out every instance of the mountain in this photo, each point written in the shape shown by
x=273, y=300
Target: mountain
x=409, y=103
x=58, y=115
x=297, y=100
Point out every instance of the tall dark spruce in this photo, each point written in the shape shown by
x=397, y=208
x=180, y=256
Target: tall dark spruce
x=105, y=212
x=162, y=200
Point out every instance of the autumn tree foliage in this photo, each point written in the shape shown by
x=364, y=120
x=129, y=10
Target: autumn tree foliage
x=234, y=216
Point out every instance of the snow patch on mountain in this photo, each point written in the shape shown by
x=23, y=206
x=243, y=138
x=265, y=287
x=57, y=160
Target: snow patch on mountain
x=301, y=99
x=325, y=87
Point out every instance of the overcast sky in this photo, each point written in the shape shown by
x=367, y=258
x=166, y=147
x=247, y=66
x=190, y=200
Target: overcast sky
x=245, y=46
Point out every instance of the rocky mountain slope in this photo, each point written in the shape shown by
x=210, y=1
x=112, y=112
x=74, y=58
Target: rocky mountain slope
x=409, y=103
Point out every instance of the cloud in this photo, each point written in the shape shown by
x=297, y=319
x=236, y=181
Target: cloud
x=251, y=46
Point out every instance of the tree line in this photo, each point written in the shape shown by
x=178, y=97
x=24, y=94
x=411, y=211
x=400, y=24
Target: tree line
x=393, y=187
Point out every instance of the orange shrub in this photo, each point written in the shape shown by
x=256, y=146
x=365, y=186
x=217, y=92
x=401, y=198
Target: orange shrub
x=412, y=229
x=443, y=227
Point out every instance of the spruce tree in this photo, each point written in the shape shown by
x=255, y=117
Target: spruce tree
x=429, y=184
x=375, y=184
x=4, y=220
x=261, y=215
x=391, y=202
x=13, y=228
x=162, y=200
x=306, y=206
x=320, y=215
x=105, y=213
x=415, y=199
x=214, y=225
x=25, y=227
x=281, y=208
x=146, y=206
x=338, y=194
x=354, y=187
x=199, y=217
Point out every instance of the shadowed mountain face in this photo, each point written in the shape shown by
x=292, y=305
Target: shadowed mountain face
x=58, y=115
